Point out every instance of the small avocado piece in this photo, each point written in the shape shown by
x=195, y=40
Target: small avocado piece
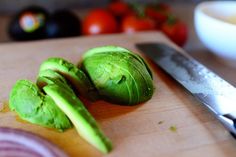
x=49, y=76
x=85, y=124
x=76, y=77
x=44, y=74
x=33, y=106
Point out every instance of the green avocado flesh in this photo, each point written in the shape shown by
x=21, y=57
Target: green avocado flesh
x=119, y=76
x=33, y=106
x=75, y=76
x=49, y=76
x=43, y=76
x=110, y=73
x=115, y=49
x=80, y=117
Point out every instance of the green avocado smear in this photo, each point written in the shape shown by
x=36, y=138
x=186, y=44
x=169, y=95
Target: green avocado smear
x=110, y=73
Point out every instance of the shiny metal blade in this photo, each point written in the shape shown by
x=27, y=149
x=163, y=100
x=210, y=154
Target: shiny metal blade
x=211, y=90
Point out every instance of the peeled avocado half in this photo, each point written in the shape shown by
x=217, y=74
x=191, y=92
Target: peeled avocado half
x=120, y=76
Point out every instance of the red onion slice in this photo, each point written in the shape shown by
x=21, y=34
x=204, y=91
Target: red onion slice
x=19, y=143
x=9, y=148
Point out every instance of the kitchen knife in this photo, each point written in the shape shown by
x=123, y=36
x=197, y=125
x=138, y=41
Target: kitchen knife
x=210, y=89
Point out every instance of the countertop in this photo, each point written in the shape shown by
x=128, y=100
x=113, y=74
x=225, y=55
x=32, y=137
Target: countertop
x=172, y=123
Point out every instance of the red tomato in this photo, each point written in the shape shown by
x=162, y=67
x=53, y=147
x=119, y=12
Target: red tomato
x=159, y=12
x=159, y=16
x=176, y=30
x=119, y=8
x=99, y=21
x=132, y=23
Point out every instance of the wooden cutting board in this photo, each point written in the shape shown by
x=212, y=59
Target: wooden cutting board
x=139, y=131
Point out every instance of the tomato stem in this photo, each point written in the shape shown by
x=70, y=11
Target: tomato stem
x=139, y=9
x=171, y=19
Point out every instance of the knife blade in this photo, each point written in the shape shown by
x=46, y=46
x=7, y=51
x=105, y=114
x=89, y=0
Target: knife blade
x=207, y=87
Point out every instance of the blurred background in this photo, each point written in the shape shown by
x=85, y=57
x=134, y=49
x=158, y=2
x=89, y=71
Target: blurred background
x=76, y=22
x=10, y=8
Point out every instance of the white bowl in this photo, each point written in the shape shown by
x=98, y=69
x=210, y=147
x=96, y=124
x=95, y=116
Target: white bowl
x=215, y=24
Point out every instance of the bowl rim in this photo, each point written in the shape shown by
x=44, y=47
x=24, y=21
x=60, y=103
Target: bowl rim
x=206, y=4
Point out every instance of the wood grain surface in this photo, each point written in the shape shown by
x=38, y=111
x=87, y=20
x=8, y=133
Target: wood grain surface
x=139, y=131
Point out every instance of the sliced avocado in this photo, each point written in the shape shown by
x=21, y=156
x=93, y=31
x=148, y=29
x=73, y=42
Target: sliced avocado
x=44, y=74
x=120, y=76
x=75, y=76
x=85, y=124
x=49, y=76
x=33, y=106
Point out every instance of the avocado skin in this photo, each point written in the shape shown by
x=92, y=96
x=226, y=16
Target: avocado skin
x=85, y=124
x=33, y=106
